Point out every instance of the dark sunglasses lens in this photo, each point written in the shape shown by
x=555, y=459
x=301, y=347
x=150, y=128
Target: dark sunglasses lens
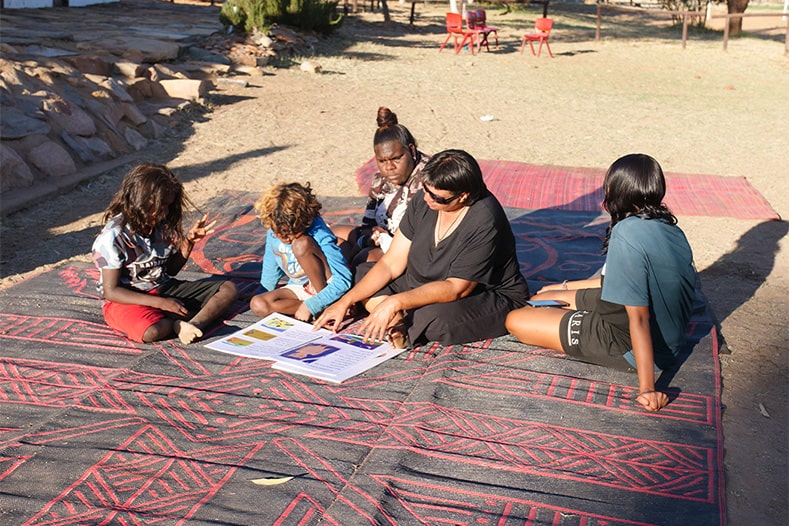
x=438, y=199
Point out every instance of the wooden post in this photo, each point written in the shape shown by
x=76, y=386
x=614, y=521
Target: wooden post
x=726, y=33
x=597, y=31
x=684, y=29
x=786, y=41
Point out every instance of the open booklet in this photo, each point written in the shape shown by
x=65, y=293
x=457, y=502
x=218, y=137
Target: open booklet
x=296, y=348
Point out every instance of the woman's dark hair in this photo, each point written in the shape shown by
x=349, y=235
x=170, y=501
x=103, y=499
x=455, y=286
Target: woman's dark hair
x=288, y=208
x=390, y=130
x=143, y=194
x=455, y=171
x=635, y=186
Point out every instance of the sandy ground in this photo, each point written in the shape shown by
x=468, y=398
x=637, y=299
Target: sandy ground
x=697, y=110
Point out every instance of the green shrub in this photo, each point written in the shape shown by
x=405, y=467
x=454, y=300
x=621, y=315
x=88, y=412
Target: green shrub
x=308, y=15
x=312, y=15
x=233, y=14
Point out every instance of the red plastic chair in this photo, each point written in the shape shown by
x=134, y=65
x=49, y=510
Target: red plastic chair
x=462, y=36
x=473, y=27
x=542, y=30
x=481, y=25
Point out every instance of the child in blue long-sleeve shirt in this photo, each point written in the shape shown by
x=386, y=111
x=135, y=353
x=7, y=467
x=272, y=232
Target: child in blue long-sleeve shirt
x=301, y=246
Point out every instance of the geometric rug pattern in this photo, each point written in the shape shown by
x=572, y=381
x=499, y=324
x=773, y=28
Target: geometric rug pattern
x=96, y=429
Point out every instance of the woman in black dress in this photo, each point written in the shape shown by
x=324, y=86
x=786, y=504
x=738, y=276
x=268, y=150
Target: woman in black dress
x=451, y=274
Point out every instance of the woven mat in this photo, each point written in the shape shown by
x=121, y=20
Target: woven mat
x=98, y=429
x=532, y=186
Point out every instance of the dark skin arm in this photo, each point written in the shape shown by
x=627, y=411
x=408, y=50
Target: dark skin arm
x=113, y=291
x=198, y=231
x=314, y=264
x=386, y=310
x=641, y=339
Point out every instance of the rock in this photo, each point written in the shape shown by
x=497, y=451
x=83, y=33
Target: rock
x=247, y=70
x=114, y=86
x=59, y=67
x=14, y=75
x=16, y=173
x=6, y=95
x=133, y=113
x=188, y=89
x=24, y=145
x=168, y=72
x=310, y=67
x=133, y=137
x=287, y=35
x=203, y=55
x=130, y=70
x=71, y=118
x=15, y=125
x=232, y=82
x=52, y=160
x=140, y=89
x=161, y=107
x=152, y=129
x=204, y=70
x=109, y=111
x=89, y=64
x=149, y=50
x=88, y=149
x=243, y=55
x=44, y=75
x=6, y=49
x=45, y=51
x=31, y=105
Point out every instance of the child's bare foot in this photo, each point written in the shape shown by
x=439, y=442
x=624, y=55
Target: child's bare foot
x=186, y=332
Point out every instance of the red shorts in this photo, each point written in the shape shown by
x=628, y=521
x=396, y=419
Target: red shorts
x=131, y=320
x=134, y=320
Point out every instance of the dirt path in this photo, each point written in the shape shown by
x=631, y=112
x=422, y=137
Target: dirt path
x=697, y=110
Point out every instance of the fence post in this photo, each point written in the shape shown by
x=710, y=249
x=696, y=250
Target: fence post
x=684, y=29
x=597, y=31
x=726, y=32
x=786, y=41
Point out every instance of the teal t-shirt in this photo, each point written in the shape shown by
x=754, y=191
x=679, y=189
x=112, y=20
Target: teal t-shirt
x=650, y=263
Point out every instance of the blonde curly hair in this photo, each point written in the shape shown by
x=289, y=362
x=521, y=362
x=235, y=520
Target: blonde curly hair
x=288, y=208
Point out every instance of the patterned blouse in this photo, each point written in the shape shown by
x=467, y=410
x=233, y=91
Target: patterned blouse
x=387, y=203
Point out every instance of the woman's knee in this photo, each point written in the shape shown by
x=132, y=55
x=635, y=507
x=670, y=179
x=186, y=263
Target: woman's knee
x=514, y=320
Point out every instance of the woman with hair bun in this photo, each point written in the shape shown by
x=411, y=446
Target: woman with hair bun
x=399, y=177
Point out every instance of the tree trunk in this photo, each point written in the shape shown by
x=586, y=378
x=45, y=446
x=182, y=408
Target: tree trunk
x=735, y=24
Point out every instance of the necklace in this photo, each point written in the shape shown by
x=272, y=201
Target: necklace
x=439, y=237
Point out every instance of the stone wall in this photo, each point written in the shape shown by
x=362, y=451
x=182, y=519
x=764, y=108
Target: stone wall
x=61, y=112
x=66, y=108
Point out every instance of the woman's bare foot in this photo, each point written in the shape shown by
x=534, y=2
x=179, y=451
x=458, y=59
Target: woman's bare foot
x=397, y=336
x=186, y=332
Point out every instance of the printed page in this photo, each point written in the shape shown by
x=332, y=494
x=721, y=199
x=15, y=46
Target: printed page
x=268, y=338
x=335, y=358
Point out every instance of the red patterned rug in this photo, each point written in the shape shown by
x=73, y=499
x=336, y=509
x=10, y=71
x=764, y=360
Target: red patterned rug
x=96, y=429
x=534, y=187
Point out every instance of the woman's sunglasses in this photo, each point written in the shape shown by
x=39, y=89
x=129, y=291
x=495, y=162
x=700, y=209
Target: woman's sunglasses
x=438, y=199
